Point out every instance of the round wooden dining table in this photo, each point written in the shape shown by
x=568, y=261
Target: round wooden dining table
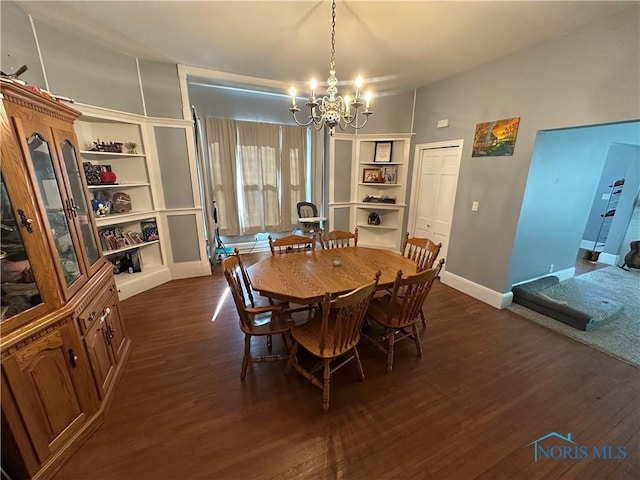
x=304, y=277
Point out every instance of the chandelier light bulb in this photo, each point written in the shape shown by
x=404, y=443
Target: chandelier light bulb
x=313, y=85
x=292, y=92
x=367, y=99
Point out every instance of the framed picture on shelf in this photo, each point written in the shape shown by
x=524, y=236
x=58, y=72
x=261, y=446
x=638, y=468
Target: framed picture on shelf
x=372, y=175
x=390, y=174
x=383, y=152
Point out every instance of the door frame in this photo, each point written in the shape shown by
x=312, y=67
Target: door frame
x=416, y=174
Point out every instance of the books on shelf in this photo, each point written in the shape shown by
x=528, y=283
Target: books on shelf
x=114, y=238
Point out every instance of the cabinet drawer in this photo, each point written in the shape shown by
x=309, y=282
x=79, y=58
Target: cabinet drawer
x=95, y=309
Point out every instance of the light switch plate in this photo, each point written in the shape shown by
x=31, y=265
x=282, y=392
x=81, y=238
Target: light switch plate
x=474, y=206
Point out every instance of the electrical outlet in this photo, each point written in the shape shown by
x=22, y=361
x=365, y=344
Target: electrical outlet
x=551, y=268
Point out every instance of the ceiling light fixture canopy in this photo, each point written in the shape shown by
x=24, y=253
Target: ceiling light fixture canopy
x=332, y=109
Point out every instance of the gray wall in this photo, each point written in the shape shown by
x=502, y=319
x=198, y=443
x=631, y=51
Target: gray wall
x=590, y=76
x=184, y=238
x=18, y=44
x=175, y=173
x=85, y=70
x=161, y=87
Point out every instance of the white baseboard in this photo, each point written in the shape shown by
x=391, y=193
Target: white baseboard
x=189, y=269
x=491, y=297
x=475, y=290
x=608, y=258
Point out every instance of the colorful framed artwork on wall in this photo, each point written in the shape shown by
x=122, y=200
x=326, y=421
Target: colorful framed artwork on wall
x=495, y=139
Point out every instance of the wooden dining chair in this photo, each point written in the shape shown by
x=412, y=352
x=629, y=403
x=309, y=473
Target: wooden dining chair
x=422, y=251
x=399, y=311
x=338, y=239
x=264, y=320
x=291, y=243
x=332, y=335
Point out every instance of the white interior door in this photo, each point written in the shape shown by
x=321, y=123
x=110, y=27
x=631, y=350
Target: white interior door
x=434, y=193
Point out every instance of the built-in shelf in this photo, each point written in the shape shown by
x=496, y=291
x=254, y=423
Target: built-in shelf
x=382, y=227
x=129, y=247
x=380, y=184
x=111, y=154
x=117, y=185
x=124, y=218
x=380, y=206
x=125, y=279
x=381, y=164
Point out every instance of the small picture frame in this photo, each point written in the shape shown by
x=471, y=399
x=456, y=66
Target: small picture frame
x=383, y=152
x=372, y=175
x=390, y=174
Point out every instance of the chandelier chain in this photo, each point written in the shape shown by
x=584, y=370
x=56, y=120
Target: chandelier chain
x=333, y=35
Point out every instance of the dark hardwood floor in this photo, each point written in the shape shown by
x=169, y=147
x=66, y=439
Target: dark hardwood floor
x=489, y=384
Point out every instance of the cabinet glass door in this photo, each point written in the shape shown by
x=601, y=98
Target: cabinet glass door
x=79, y=202
x=19, y=289
x=56, y=212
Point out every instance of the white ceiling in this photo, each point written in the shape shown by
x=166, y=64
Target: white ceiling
x=393, y=44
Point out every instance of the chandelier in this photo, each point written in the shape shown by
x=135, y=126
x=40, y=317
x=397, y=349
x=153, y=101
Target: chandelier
x=332, y=109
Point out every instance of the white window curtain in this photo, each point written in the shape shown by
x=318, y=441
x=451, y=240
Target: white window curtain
x=220, y=173
x=258, y=173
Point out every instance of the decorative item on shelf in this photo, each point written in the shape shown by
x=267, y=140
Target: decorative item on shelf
x=131, y=147
x=106, y=175
x=149, y=230
x=383, y=152
x=372, y=175
x=102, y=203
x=390, y=174
x=101, y=209
x=121, y=202
x=334, y=110
x=110, y=147
x=373, y=219
x=379, y=199
x=92, y=173
x=114, y=238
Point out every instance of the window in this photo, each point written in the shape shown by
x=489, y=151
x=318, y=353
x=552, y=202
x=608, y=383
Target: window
x=259, y=173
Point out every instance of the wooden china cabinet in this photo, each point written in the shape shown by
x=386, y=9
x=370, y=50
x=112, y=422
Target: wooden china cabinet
x=62, y=341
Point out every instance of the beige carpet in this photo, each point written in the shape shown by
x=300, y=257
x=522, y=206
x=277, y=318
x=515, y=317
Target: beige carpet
x=619, y=336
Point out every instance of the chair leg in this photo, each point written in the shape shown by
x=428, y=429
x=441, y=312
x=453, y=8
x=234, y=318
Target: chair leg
x=269, y=344
x=293, y=358
x=356, y=356
x=390, y=344
x=247, y=355
x=416, y=339
x=325, y=385
x=424, y=320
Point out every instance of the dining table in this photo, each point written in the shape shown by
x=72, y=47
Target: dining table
x=304, y=277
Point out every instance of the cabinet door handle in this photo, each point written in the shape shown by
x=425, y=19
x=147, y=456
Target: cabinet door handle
x=73, y=358
x=91, y=316
x=74, y=208
x=26, y=222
